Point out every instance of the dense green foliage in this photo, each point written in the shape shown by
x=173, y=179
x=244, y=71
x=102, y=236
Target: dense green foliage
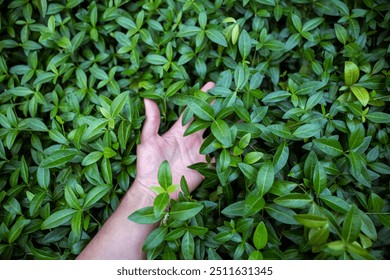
x=299, y=127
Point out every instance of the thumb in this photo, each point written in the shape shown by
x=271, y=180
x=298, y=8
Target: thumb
x=152, y=121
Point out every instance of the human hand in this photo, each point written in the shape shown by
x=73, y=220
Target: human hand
x=180, y=151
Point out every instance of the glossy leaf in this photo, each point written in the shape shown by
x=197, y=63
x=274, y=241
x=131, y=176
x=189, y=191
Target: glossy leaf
x=58, y=218
x=58, y=158
x=265, y=178
x=260, y=237
x=352, y=224
x=185, y=210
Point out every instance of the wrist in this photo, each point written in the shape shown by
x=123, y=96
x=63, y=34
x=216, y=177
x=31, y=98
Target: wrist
x=141, y=189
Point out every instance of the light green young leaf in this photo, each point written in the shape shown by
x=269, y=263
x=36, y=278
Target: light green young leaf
x=260, y=237
x=160, y=204
x=164, y=175
x=361, y=94
x=351, y=73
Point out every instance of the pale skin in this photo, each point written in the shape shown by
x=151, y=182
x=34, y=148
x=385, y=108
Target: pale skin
x=120, y=238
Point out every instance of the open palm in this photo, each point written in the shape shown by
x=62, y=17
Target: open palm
x=180, y=151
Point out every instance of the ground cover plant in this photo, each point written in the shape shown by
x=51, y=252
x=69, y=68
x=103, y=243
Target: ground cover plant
x=298, y=128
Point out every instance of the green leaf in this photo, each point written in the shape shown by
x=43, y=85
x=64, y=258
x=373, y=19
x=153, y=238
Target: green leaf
x=144, y=216
x=165, y=175
x=312, y=23
x=58, y=158
x=253, y=203
x=235, y=209
x=280, y=131
x=380, y=167
x=58, y=218
x=276, y=96
x=253, y=157
x=71, y=198
x=318, y=236
x=265, y=178
x=296, y=22
x=76, y=223
x=351, y=73
x=24, y=170
x=175, y=234
x=36, y=203
x=173, y=88
x=294, y=200
x=224, y=159
x=212, y=255
x=309, y=88
x=274, y=45
x=185, y=210
x=216, y=36
x=311, y=221
x=188, y=246
x=342, y=36
x=242, y=113
x=13, y=206
x=17, y=229
x=118, y=103
x=281, y=157
x=156, y=59
x=281, y=214
x=198, y=230
x=57, y=136
x=336, y=203
x=188, y=31
x=155, y=238
x=256, y=255
x=378, y=117
x=356, y=162
x=361, y=94
x=244, y=44
x=160, y=204
x=320, y=179
x=98, y=73
x=307, y=130
x=95, y=128
x=20, y=91
x=260, y=237
x=108, y=152
x=33, y=124
x=368, y=227
x=95, y=194
x=221, y=131
x=92, y=158
x=201, y=108
x=352, y=224
x=356, y=137
x=329, y=146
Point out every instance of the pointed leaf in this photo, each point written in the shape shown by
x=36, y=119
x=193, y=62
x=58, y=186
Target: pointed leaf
x=58, y=218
